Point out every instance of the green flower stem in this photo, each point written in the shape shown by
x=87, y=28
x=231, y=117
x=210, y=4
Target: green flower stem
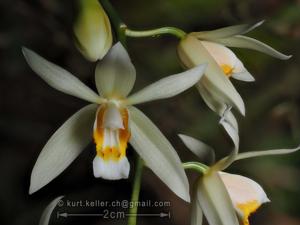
x=122, y=31
x=156, y=32
x=136, y=191
x=196, y=166
x=118, y=24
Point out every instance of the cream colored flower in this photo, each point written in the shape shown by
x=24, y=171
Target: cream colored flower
x=224, y=197
x=112, y=121
x=212, y=47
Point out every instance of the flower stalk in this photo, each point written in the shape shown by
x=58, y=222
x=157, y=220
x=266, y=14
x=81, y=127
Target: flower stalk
x=156, y=32
x=196, y=166
x=136, y=191
x=118, y=24
x=122, y=30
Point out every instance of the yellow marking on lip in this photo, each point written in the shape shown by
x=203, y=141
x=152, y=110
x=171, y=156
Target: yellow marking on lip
x=114, y=153
x=247, y=209
x=227, y=70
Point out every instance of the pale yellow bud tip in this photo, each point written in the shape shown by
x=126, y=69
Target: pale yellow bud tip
x=92, y=30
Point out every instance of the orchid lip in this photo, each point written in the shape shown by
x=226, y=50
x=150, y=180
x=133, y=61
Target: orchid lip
x=111, y=135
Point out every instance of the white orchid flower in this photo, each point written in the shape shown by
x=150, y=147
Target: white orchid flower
x=221, y=196
x=112, y=121
x=210, y=47
x=92, y=30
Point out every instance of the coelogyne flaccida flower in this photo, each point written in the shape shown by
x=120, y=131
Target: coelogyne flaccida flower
x=224, y=198
x=211, y=47
x=112, y=121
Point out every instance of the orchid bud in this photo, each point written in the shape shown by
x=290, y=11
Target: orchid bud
x=92, y=30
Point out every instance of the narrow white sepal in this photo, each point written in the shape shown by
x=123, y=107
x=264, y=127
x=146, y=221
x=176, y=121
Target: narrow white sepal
x=59, y=78
x=158, y=153
x=252, y=154
x=227, y=31
x=243, y=76
x=63, y=147
x=215, y=201
x=199, y=148
x=45, y=217
x=211, y=100
x=217, y=106
x=241, y=41
x=168, y=86
x=111, y=169
x=115, y=74
x=230, y=126
x=196, y=211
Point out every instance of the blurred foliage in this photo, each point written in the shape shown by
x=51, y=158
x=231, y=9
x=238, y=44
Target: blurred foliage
x=30, y=110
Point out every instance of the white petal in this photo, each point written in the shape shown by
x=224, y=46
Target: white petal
x=252, y=154
x=197, y=214
x=241, y=41
x=192, y=52
x=215, y=201
x=158, y=153
x=242, y=189
x=246, y=194
x=225, y=57
x=218, y=107
x=196, y=211
x=59, y=78
x=222, y=54
x=115, y=74
x=252, y=27
x=63, y=147
x=227, y=31
x=111, y=169
x=243, y=76
x=235, y=100
x=239, y=67
x=212, y=101
x=230, y=126
x=230, y=118
x=200, y=149
x=112, y=117
x=168, y=86
x=45, y=218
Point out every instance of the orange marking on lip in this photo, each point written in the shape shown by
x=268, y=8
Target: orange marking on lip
x=247, y=209
x=111, y=152
x=227, y=70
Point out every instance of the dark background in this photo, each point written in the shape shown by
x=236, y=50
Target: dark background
x=30, y=111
